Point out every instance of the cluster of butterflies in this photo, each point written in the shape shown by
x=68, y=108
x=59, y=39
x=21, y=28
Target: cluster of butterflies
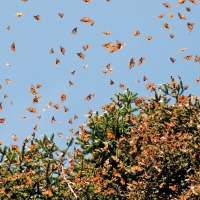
x=111, y=47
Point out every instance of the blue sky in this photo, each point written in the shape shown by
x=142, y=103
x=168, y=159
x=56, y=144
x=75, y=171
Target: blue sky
x=33, y=64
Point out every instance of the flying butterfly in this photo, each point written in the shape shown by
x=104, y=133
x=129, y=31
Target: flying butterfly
x=15, y=138
x=8, y=27
x=71, y=84
x=166, y=25
x=5, y=96
x=107, y=45
x=197, y=59
x=167, y=5
x=132, y=63
x=65, y=109
x=86, y=47
x=107, y=33
x=180, y=2
x=161, y=15
x=62, y=49
x=32, y=110
x=51, y=51
x=59, y=134
x=111, y=82
x=52, y=120
x=182, y=16
x=141, y=60
x=87, y=1
x=2, y=120
x=188, y=9
x=13, y=47
x=193, y=1
x=171, y=35
x=137, y=33
x=81, y=55
x=197, y=80
x=145, y=78
x=190, y=26
x=38, y=86
x=171, y=16
x=37, y=17
x=61, y=15
x=32, y=90
x=85, y=66
x=70, y=121
x=57, y=62
x=63, y=97
x=105, y=72
x=7, y=81
x=19, y=14
x=86, y=19
x=173, y=60
x=56, y=106
x=92, y=23
x=35, y=127
x=75, y=117
x=149, y=38
x=1, y=106
x=74, y=31
x=72, y=72
x=182, y=49
x=187, y=57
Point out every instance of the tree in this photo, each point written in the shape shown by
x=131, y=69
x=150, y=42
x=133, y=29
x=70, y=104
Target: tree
x=139, y=148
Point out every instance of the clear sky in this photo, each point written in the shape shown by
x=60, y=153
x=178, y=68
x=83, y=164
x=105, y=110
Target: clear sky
x=33, y=64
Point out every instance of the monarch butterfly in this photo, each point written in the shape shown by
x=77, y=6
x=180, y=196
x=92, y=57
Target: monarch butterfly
x=137, y=33
x=86, y=19
x=71, y=130
x=72, y=72
x=141, y=60
x=197, y=59
x=37, y=17
x=92, y=23
x=161, y=15
x=57, y=62
x=23, y=117
x=149, y=85
x=63, y=97
x=75, y=117
x=107, y=45
x=61, y=15
x=85, y=66
x=32, y=110
x=119, y=45
x=76, y=134
x=167, y=5
x=56, y=106
x=32, y=90
x=38, y=86
x=5, y=96
x=197, y=80
x=87, y=0
x=108, y=66
x=24, y=0
x=105, y=72
x=66, y=109
x=193, y=1
x=110, y=134
x=0, y=87
x=171, y=16
x=107, y=33
x=188, y=9
x=166, y=25
x=71, y=84
x=59, y=134
x=81, y=55
x=88, y=97
x=35, y=127
x=111, y=82
x=51, y=51
x=86, y=47
x=15, y=148
x=7, y=81
x=2, y=120
x=173, y=59
x=149, y=38
x=137, y=81
x=182, y=16
x=35, y=99
x=39, y=116
x=122, y=86
x=187, y=57
x=15, y=138
x=173, y=187
x=53, y=120
x=132, y=63
x=171, y=35
x=1, y=106
x=180, y=2
x=48, y=193
x=62, y=49
x=145, y=78
x=33, y=134
x=74, y=31
x=190, y=26
x=182, y=49
x=19, y=14
x=70, y=121
x=13, y=47
x=8, y=27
